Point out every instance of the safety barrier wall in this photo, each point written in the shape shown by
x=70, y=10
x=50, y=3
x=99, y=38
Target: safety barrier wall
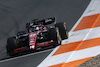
x=83, y=42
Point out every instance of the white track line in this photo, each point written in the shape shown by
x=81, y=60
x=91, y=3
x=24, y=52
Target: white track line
x=84, y=14
x=71, y=56
x=85, y=53
x=25, y=55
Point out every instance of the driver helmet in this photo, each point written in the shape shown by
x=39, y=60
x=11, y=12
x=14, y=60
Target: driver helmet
x=37, y=29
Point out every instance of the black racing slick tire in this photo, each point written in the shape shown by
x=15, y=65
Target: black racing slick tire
x=11, y=45
x=55, y=36
x=62, y=29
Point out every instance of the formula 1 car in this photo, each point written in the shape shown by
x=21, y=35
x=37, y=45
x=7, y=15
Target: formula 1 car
x=39, y=34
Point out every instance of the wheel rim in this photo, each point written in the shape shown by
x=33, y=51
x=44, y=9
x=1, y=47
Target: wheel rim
x=15, y=42
x=65, y=28
x=58, y=36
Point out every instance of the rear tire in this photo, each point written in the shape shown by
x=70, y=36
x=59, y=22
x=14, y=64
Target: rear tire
x=55, y=36
x=62, y=29
x=11, y=45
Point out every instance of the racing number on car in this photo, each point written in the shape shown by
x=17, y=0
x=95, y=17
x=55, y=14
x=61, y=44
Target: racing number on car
x=32, y=35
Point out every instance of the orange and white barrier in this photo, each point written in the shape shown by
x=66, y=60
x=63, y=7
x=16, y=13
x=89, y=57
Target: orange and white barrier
x=83, y=42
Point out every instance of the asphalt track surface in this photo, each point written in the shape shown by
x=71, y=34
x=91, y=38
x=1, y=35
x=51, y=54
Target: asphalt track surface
x=15, y=13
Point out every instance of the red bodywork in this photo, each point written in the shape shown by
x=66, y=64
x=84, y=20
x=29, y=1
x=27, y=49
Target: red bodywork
x=32, y=39
x=32, y=42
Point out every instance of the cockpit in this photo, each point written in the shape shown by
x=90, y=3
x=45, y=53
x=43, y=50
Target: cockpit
x=36, y=28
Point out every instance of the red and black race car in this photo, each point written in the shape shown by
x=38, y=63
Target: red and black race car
x=39, y=34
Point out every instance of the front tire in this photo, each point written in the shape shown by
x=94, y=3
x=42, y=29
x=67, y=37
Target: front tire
x=55, y=36
x=11, y=45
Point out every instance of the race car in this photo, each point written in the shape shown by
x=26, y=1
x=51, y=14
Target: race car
x=40, y=33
